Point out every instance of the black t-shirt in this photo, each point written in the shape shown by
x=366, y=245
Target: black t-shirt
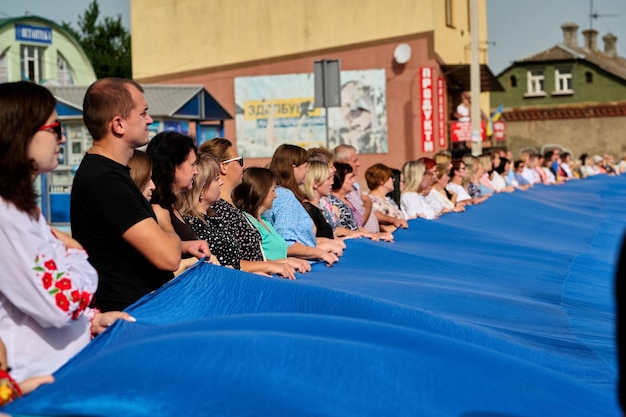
x=104, y=204
x=323, y=228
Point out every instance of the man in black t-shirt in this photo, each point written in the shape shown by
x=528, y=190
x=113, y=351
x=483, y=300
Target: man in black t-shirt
x=132, y=253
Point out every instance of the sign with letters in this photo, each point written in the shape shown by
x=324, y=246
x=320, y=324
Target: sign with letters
x=38, y=34
x=276, y=109
x=427, y=109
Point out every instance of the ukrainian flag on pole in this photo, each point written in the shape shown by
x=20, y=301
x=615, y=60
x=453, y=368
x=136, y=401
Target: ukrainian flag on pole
x=494, y=118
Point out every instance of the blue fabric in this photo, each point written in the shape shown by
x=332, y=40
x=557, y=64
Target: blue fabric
x=504, y=310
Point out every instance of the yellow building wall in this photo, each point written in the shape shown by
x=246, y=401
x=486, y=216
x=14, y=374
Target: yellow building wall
x=177, y=36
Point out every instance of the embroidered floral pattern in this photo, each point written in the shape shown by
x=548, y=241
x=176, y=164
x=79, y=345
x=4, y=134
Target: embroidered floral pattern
x=59, y=285
x=9, y=389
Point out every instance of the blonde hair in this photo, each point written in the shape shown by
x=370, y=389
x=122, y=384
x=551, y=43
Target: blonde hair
x=208, y=171
x=318, y=172
x=140, y=169
x=471, y=171
x=442, y=157
x=413, y=172
x=485, y=160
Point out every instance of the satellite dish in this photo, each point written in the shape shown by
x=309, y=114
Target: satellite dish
x=402, y=53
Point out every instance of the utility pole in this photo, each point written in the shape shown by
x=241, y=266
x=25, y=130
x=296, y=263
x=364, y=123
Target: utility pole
x=475, y=115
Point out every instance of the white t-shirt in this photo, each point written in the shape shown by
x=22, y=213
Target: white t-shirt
x=464, y=113
x=461, y=193
x=415, y=205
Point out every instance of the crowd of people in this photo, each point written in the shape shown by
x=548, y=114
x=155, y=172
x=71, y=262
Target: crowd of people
x=138, y=219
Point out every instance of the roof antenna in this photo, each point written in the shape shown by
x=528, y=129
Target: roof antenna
x=595, y=15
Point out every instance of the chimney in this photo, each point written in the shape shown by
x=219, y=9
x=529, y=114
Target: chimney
x=590, y=36
x=570, y=34
x=609, y=45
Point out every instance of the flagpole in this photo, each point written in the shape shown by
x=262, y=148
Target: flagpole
x=475, y=118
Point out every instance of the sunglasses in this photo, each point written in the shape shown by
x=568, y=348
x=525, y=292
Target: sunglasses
x=55, y=128
x=239, y=159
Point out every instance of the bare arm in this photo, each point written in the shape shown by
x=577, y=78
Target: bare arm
x=67, y=240
x=308, y=252
x=367, y=205
x=158, y=243
x=383, y=219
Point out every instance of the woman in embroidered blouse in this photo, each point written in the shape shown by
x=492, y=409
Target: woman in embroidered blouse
x=47, y=283
x=343, y=183
x=288, y=215
x=244, y=238
x=379, y=180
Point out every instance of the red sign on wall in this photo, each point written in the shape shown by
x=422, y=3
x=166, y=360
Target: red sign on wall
x=441, y=112
x=427, y=109
x=462, y=131
x=498, y=130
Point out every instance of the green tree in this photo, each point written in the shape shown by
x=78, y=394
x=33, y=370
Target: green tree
x=106, y=42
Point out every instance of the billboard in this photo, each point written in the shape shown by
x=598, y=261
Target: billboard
x=276, y=109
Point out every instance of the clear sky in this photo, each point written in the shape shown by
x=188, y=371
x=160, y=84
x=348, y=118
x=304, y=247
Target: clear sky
x=64, y=10
x=518, y=28
x=521, y=28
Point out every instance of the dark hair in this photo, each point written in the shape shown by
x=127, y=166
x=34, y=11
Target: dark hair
x=341, y=171
x=24, y=108
x=217, y=147
x=503, y=161
x=517, y=163
x=254, y=188
x=396, y=174
x=167, y=150
x=456, y=165
x=104, y=100
x=285, y=158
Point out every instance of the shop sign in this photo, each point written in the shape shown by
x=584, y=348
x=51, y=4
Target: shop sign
x=30, y=33
x=499, y=128
x=462, y=131
x=441, y=112
x=427, y=109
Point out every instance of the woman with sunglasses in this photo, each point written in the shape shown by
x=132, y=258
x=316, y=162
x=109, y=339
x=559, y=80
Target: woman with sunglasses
x=245, y=240
x=47, y=283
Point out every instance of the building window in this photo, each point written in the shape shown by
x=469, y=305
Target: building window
x=64, y=74
x=563, y=81
x=588, y=77
x=536, y=80
x=513, y=81
x=31, y=63
x=449, y=7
